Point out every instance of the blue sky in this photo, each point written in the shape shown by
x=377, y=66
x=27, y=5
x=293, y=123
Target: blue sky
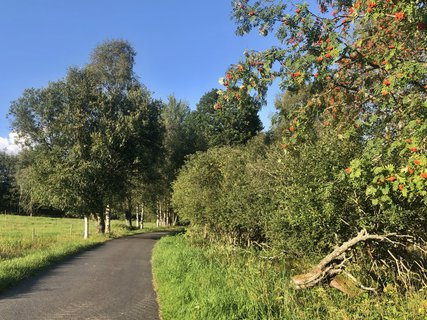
x=183, y=47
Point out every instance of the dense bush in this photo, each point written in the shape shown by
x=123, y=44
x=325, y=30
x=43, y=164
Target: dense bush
x=216, y=190
x=302, y=200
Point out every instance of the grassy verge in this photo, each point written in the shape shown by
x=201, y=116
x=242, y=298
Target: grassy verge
x=224, y=283
x=29, y=244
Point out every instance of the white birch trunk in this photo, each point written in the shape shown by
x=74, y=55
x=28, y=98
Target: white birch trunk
x=137, y=216
x=108, y=219
x=158, y=215
x=86, y=224
x=167, y=215
x=161, y=215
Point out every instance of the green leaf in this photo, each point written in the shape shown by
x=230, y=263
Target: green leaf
x=370, y=190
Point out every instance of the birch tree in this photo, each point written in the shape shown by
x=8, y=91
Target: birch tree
x=88, y=132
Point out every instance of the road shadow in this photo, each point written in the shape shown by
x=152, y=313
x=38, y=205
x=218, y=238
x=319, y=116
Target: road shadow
x=158, y=234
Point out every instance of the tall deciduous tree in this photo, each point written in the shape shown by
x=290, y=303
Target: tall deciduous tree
x=88, y=133
x=225, y=123
x=179, y=138
x=179, y=141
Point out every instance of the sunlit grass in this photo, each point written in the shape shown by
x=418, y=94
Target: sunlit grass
x=213, y=282
x=28, y=244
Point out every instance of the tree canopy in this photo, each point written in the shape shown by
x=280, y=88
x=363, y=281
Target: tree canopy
x=365, y=64
x=89, y=133
x=225, y=123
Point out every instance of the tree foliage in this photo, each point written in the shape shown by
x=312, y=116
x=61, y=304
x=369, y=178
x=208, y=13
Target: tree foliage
x=365, y=63
x=8, y=189
x=88, y=133
x=220, y=124
x=216, y=190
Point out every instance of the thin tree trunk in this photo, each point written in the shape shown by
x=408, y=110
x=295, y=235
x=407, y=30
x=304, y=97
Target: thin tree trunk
x=167, y=215
x=160, y=214
x=157, y=214
x=137, y=216
x=141, y=225
x=100, y=221
x=20, y=199
x=108, y=219
x=128, y=212
x=86, y=226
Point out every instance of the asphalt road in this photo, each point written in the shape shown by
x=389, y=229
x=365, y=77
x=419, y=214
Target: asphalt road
x=111, y=281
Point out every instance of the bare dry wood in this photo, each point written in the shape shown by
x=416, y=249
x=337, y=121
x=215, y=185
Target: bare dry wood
x=333, y=264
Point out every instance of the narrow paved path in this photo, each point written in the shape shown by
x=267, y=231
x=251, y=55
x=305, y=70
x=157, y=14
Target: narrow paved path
x=112, y=281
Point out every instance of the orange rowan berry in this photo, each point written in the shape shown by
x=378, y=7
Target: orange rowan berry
x=399, y=16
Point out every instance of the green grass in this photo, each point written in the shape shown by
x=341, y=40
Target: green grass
x=29, y=244
x=214, y=282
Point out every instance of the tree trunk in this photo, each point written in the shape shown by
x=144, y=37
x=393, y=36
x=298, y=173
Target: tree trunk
x=20, y=200
x=141, y=225
x=160, y=214
x=137, y=216
x=167, y=215
x=86, y=226
x=108, y=219
x=100, y=221
x=128, y=212
x=157, y=214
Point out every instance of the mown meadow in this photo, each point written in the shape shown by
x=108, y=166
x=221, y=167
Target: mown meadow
x=28, y=244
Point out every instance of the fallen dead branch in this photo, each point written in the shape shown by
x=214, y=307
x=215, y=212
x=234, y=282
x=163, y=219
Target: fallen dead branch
x=334, y=264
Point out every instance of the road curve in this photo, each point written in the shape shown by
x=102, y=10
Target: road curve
x=111, y=281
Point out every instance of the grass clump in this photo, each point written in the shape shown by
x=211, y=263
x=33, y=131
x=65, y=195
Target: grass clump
x=218, y=282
